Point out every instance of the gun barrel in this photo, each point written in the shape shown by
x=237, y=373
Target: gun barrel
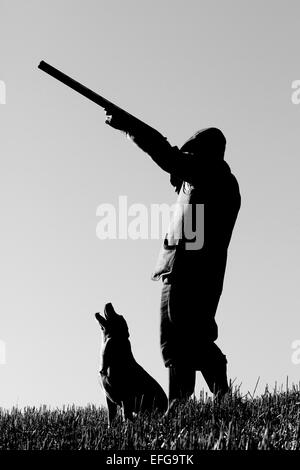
x=70, y=82
x=91, y=95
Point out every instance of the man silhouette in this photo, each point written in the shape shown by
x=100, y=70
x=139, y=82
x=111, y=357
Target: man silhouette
x=192, y=278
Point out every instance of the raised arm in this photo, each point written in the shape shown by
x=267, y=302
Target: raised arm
x=183, y=166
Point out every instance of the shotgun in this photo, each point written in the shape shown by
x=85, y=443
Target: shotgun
x=130, y=120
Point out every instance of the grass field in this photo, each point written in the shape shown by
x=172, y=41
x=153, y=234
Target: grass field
x=269, y=422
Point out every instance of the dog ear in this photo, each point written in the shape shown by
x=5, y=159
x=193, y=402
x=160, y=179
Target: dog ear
x=101, y=320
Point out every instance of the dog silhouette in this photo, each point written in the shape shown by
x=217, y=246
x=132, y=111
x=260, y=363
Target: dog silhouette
x=124, y=381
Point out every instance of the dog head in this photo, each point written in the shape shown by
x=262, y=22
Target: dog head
x=112, y=324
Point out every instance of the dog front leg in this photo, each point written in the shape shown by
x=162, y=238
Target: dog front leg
x=127, y=410
x=112, y=410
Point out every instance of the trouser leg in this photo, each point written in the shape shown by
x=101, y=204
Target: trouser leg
x=214, y=370
x=167, y=328
x=182, y=325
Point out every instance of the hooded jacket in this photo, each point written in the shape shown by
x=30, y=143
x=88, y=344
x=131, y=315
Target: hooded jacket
x=202, y=178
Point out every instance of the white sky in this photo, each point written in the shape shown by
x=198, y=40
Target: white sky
x=180, y=66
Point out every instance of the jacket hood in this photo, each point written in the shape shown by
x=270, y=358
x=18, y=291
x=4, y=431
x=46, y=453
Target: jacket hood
x=209, y=141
